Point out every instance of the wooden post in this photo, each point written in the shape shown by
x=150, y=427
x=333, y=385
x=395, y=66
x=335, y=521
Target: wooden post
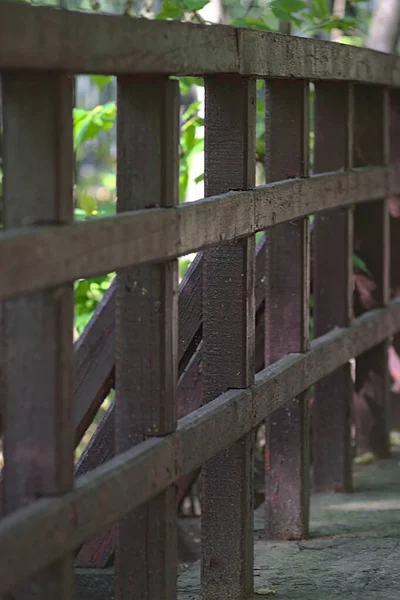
x=146, y=330
x=372, y=243
x=394, y=209
x=333, y=290
x=287, y=313
x=37, y=343
x=228, y=343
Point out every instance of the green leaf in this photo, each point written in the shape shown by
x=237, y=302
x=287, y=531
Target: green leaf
x=185, y=83
x=88, y=123
x=288, y=6
x=88, y=204
x=351, y=40
x=251, y=23
x=170, y=10
x=285, y=16
x=101, y=80
x=184, y=264
x=199, y=178
x=194, y=5
x=320, y=9
x=359, y=264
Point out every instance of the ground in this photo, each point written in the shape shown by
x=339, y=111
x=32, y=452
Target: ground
x=353, y=551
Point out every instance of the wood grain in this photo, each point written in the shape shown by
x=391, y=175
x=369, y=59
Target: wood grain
x=228, y=342
x=146, y=360
x=37, y=341
x=333, y=290
x=287, y=287
x=57, y=526
x=98, y=551
x=94, y=363
x=79, y=42
x=48, y=256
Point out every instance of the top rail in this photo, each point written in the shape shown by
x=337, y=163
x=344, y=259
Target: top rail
x=42, y=38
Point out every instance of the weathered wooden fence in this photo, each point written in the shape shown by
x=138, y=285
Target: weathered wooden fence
x=232, y=300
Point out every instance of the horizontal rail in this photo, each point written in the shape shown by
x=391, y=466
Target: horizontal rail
x=42, y=257
x=57, y=526
x=79, y=42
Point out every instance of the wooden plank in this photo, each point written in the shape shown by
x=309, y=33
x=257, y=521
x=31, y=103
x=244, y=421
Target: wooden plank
x=287, y=281
x=95, y=584
x=93, y=43
x=37, y=341
x=59, y=525
x=94, y=363
x=394, y=206
x=333, y=290
x=190, y=309
x=94, y=350
x=372, y=243
x=97, y=552
x=46, y=256
x=146, y=366
x=228, y=342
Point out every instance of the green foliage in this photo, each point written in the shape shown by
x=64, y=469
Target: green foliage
x=88, y=123
x=176, y=9
x=285, y=10
x=359, y=264
x=101, y=80
x=251, y=23
x=310, y=18
x=88, y=293
x=190, y=144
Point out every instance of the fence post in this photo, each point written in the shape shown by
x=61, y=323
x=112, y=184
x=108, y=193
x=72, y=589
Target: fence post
x=287, y=313
x=333, y=289
x=372, y=242
x=228, y=342
x=394, y=209
x=146, y=330
x=37, y=342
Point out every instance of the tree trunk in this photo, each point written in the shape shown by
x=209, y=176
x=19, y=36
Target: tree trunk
x=385, y=26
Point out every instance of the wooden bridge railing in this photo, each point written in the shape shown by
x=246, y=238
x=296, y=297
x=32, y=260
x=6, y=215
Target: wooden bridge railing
x=48, y=515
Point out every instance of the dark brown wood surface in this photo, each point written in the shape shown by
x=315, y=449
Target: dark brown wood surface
x=94, y=363
x=287, y=286
x=372, y=241
x=57, y=526
x=146, y=332
x=48, y=256
x=228, y=342
x=394, y=209
x=333, y=290
x=98, y=551
x=37, y=340
x=93, y=43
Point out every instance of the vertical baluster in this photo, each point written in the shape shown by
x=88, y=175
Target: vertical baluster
x=37, y=344
x=287, y=313
x=371, y=234
x=228, y=342
x=146, y=328
x=333, y=289
x=394, y=209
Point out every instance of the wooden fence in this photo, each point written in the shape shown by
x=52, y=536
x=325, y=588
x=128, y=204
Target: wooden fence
x=48, y=514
